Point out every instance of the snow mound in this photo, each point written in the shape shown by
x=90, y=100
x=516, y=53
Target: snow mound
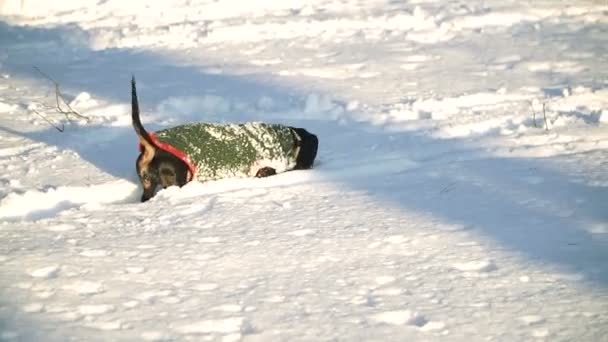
x=36, y=8
x=400, y=317
x=35, y=205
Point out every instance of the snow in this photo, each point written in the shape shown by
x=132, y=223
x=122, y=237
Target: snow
x=45, y=272
x=459, y=192
x=399, y=318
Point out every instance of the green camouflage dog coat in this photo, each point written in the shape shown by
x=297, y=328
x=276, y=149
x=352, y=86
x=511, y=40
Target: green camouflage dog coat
x=214, y=151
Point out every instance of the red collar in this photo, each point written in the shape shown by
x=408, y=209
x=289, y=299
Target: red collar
x=174, y=151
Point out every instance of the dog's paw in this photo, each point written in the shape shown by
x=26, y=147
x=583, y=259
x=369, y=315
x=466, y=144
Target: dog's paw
x=265, y=172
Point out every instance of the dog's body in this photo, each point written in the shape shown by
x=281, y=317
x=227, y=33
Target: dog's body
x=204, y=151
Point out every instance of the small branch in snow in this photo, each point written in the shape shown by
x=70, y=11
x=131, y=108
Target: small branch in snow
x=59, y=96
x=545, y=116
x=45, y=118
x=533, y=114
x=448, y=188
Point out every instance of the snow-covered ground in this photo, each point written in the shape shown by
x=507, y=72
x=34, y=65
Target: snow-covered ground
x=443, y=207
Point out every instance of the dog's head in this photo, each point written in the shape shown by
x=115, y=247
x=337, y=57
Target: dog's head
x=163, y=170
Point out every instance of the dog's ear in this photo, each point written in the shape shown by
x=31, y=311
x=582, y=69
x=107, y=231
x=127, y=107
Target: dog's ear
x=143, y=165
x=171, y=170
x=167, y=174
x=148, y=176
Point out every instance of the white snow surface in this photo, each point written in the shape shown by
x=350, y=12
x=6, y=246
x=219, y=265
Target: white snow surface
x=459, y=194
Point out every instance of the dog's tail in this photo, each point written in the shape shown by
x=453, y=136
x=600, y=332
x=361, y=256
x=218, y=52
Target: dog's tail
x=137, y=125
x=145, y=141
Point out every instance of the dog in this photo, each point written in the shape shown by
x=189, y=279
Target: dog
x=205, y=151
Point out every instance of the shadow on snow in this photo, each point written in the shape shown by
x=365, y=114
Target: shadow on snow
x=544, y=220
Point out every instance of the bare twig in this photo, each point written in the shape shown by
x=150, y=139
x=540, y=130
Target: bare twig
x=545, y=117
x=533, y=114
x=58, y=96
x=448, y=188
x=45, y=118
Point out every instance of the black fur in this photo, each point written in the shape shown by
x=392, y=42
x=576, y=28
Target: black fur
x=309, y=144
x=164, y=169
x=266, y=171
